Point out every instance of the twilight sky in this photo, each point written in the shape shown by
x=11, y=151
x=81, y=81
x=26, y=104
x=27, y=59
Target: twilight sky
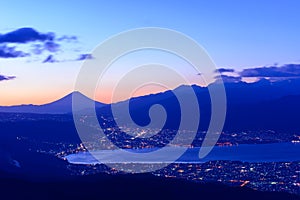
x=43, y=67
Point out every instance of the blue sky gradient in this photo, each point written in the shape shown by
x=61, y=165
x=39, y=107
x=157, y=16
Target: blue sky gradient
x=236, y=34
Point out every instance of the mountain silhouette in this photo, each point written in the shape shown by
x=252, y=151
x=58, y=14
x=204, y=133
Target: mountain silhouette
x=260, y=105
x=61, y=106
x=250, y=106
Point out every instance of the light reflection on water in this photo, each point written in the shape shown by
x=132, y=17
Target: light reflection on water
x=276, y=152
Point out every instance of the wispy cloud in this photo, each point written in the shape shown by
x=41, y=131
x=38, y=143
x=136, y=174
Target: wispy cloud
x=6, y=78
x=50, y=59
x=288, y=70
x=85, y=57
x=67, y=38
x=223, y=70
x=228, y=79
x=272, y=73
x=11, y=52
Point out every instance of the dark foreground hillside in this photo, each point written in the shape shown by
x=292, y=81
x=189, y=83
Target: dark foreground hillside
x=141, y=186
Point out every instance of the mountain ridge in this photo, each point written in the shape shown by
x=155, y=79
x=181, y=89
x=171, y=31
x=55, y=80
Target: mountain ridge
x=240, y=93
x=59, y=106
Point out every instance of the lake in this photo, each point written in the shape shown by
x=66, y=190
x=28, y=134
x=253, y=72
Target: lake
x=275, y=152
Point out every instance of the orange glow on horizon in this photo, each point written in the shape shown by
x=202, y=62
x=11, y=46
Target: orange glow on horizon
x=13, y=99
x=105, y=96
x=22, y=98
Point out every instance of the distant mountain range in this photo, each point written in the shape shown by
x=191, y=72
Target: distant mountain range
x=240, y=93
x=61, y=106
x=263, y=104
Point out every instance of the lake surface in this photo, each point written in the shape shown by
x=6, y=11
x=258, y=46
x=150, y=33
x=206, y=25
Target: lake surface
x=276, y=152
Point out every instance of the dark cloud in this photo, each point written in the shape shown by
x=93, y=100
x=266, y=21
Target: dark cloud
x=85, y=57
x=27, y=35
x=223, y=70
x=24, y=35
x=289, y=70
x=229, y=79
x=6, y=78
x=11, y=52
x=40, y=44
